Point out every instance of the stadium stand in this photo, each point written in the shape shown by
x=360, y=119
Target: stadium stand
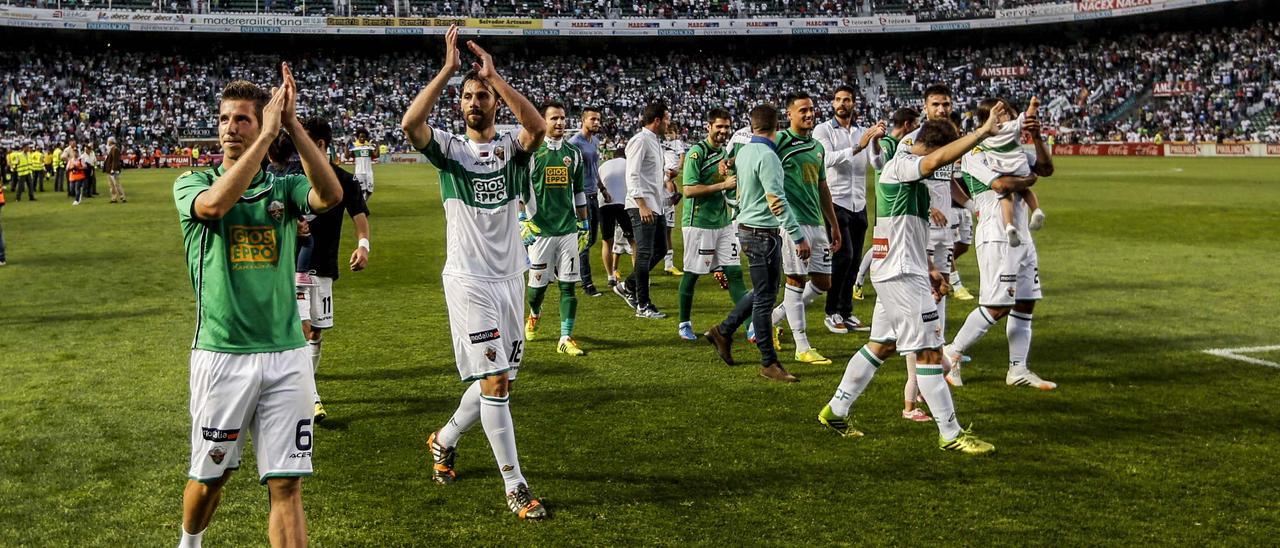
x=1210, y=85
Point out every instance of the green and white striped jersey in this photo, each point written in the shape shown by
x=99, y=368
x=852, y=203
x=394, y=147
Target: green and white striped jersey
x=481, y=185
x=901, y=235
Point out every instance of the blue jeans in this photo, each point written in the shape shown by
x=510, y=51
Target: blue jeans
x=584, y=258
x=764, y=259
x=651, y=246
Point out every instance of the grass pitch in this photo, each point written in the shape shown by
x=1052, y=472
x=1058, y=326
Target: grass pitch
x=649, y=439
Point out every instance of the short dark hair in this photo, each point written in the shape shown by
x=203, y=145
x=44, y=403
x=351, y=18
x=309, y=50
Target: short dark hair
x=591, y=108
x=937, y=133
x=847, y=89
x=903, y=116
x=553, y=104
x=244, y=90
x=362, y=133
x=718, y=114
x=794, y=96
x=653, y=111
x=318, y=129
x=936, y=89
x=620, y=152
x=955, y=119
x=473, y=75
x=764, y=116
x=983, y=111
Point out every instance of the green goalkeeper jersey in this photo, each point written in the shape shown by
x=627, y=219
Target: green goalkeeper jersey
x=242, y=265
x=803, y=168
x=557, y=175
x=702, y=167
x=888, y=148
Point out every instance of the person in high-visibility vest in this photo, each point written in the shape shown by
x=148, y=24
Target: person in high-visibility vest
x=24, y=173
x=195, y=155
x=76, y=173
x=36, y=159
x=59, y=170
x=10, y=169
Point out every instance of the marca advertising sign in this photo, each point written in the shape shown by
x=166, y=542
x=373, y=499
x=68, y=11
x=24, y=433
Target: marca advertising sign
x=1035, y=10
x=468, y=22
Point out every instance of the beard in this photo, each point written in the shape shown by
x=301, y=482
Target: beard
x=843, y=112
x=481, y=124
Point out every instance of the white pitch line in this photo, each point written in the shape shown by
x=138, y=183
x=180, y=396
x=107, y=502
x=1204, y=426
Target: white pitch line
x=1236, y=354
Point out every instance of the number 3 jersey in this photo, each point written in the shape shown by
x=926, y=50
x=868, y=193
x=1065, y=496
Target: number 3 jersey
x=481, y=185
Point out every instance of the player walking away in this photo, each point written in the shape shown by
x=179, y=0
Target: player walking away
x=364, y=153
x=587, y=141
x=112, y=166
x=906, y=316
x=672, y=158
x=324, y=231
x=483, y=177
x=849, y=149
x=807, y=192
x=559, y=228
x=710, y=241
x=763, y=209
x=613, y=214
x=1010, y=275
x=249, y=371
x=647, y=206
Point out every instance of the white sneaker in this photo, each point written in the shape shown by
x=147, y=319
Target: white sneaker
x=852, y=323
x=77, y=202
x=1027, y=378
x=835, y=324
x=1011, y=232
x=1037, y=220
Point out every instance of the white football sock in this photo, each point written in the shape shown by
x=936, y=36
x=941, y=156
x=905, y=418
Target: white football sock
x=942, y=316
x=794, y=304
x=938, y=395
x=463, y=419
x=670, y=259
x=1018, y=330
x=315, y=364
x=811, y=293
x=975, y=326
x=857, y=375
x=496, y=417
x=190, y=540
x=954, y=279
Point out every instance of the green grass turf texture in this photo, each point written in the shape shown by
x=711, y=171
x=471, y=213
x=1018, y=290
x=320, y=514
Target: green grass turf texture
x=650, y=439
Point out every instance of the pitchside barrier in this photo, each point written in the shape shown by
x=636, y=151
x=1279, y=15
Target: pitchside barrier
x=1225, y=150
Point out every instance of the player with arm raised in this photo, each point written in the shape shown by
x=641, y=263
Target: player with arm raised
x=906, y=313
x=483, y=178
x=250, y=370
x=559, y=229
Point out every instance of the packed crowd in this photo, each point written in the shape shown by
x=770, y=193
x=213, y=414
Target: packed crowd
x=1094, y=90
x=924, y=10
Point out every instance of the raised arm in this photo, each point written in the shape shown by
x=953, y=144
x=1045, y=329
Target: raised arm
x=414, y=122
x=212, y=204
x=948, y=154
x=1013, y=183
x=326, y=191
x=532, y=126
x=1044, y=160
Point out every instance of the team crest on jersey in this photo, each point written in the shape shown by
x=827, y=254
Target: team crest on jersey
x=217, y=454
x=500, y=152
x=568, y=161
x=276, y=209
x=491, y=353
x=1011, y=291
x=693, y=154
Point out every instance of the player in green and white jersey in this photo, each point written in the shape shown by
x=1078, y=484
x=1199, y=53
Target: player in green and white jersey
x=250, y=370
x=710, y=240
x=556, y=233
x=906, y=314
x=364, y=152
x=483, y=177
x=807, y=192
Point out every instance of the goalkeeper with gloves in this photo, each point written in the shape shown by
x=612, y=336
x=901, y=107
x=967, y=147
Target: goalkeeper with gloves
x=559, y=229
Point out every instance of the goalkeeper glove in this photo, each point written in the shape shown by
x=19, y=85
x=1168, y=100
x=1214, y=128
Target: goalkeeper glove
x=528, y=230
x=584, y=234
